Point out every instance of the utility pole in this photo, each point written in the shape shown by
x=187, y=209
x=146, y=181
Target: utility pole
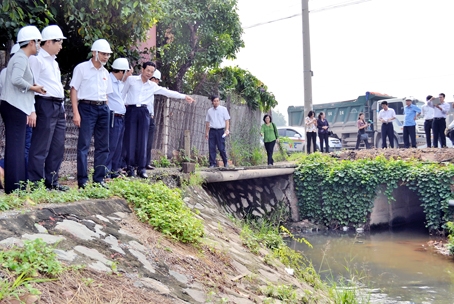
x=307, y=72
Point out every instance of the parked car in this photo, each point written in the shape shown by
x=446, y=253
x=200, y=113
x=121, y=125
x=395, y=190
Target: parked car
x=298, y=137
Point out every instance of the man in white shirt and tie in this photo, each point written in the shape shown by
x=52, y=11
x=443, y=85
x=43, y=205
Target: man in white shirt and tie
x=428, y=113
x=89, y=88
x=386, y=117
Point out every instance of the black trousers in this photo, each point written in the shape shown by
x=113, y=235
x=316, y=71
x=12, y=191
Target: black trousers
x=409, y=133
x=15, y=127
x=358, y=141
x=323, y=142
x=137, y=123
x=387, y=130
x=269, y=147
x=427, y=129
x=438, y=128
x=215, y=140
x=311, y=138
x=150, y=140
x=48, y=145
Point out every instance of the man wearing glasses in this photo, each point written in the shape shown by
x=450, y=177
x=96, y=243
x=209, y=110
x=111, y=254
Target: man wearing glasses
x=89, y=88
x=18, y=106
x=48, y=143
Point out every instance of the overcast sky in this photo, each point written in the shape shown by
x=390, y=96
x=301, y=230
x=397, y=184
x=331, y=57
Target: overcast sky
x=398, y=47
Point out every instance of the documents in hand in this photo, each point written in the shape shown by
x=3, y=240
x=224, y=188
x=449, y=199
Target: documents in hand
x=436, y=101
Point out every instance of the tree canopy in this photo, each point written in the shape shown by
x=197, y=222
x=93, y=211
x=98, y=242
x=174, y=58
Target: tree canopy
x=196, y=35
x=278, y=118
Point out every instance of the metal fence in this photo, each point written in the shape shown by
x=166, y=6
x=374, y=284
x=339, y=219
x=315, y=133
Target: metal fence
x=172, y=118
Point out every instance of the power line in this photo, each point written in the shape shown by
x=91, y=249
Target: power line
x=333, y=6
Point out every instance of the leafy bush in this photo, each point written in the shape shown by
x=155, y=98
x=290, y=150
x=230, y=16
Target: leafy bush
x=162, y=208
x=450, y=227
x=341, y=192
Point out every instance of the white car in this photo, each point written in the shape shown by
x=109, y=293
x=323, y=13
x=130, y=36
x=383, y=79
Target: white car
x=298, y=137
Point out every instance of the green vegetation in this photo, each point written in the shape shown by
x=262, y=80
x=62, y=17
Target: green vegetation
x=450, y=228
x=158, y=205
x=34, y=263
x=341, y=192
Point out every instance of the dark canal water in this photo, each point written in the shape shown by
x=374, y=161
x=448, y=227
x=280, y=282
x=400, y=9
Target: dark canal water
x=396, y=264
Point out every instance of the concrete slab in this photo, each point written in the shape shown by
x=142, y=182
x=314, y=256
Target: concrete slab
x=40, y=228
x=197, y=295
x=113, y=242
x=102, y=218
x=179, y=277
x=137, y=246
x=68, y=256
x=98, y=266
x=143, y=259
x=11, y=241
x=47, y=238
x=93, y=254
x=78, y=230
x=155, y=286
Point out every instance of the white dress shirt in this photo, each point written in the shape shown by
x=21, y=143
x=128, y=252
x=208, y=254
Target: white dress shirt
x=217, y=117
x=91, y=83
x=387, y=115
x=46, y=73
x=2, y=79
x=137, y=92
x=440, y=113
x=427, y=111
x=116, y=102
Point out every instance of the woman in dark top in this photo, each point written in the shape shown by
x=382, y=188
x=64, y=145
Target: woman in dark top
x=362, y=125
x=322, y=126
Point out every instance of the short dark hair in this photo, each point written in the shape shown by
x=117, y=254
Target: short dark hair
x=320, y=115
x=384, y=102
x=148, y=63
x=213, y=97
x=442, y=94
x=266, y=115
x=429, y=97
x=115, y=71
x=310, y=113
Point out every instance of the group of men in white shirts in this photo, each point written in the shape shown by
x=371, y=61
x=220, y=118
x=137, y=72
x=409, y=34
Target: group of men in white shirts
x=115, y=108
x=434, y=122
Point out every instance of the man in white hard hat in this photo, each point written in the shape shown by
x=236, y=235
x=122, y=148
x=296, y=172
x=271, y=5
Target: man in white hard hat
x=120, y=72
x=89, y=88
x=138, y=91
x=48, y=144
x=18, y=106
x=156, y=78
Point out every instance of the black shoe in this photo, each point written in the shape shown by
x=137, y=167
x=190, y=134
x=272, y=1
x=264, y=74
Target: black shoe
x=143, y=175
x=131, y=172
x=58, y=187
x=82, y=186
x=102, y=184
x=149, y=167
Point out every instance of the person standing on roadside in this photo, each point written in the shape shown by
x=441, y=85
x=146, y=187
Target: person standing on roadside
x=439, y=122
x=362, y=125
x=137, y=93
x=216, y=129
x=411, y=113
x=48, y=143
x=120, y=72
x=386, y=117
x=270, y=136
x=322, y=126
x=89, y=88
x=156, y=79
x=428, y=113
x=311, y=131
x=18, y=106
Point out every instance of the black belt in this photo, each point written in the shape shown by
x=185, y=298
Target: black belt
x=93, y=102
x=119, y=115
x=54, y=99
x=139, y=105
x=438, y=118
x=429, y=119
x=216, y=128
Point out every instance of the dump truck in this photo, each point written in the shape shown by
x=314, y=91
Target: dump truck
x=343, y=115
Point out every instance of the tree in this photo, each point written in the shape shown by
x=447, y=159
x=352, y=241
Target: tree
x=233, y=83
x=121, y=22
x=196, y=35
x=278, y=118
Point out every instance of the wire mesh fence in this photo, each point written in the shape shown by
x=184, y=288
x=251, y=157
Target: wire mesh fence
x=172, y=118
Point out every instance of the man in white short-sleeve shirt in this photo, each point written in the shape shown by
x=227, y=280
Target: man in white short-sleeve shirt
x=386, y=116
x=216, y=129
x=89, y=88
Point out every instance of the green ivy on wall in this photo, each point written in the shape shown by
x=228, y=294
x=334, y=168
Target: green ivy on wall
x=341, y=192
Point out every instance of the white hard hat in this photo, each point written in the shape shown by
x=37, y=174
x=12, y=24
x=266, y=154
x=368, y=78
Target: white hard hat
x=52, y=32
x=409, y=98
x=28, y=33
x=14, y=49
x=157, y=75
x=101, y=45
x=121, y=64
